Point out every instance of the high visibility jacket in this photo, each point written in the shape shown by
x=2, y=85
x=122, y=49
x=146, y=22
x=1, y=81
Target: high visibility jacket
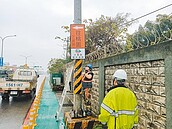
x=119, y=109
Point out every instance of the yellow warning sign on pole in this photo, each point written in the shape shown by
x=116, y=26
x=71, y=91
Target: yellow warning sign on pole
x=77, y=77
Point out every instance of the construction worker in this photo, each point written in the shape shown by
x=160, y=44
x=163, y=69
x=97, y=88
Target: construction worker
x=87, y=85
x=119, y=107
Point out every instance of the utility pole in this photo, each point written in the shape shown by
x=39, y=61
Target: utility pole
x=67, y=44
x=67, y=48
x=77, y=12
x=77, y=96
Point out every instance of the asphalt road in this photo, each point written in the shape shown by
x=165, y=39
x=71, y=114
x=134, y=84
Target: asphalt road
x=12, y=112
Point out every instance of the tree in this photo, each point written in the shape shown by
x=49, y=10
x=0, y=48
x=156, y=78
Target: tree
x=66, y=48
x=56, y=65
x=105, y=30
x=151, y=33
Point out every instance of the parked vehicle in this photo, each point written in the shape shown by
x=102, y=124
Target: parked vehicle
x=3, y=74
x=38, y=69
x=23, y=82
x=57, y=81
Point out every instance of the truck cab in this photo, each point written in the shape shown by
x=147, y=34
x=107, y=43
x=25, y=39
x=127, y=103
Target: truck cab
x=3, y=74
x=25, y=75
x=24, y=82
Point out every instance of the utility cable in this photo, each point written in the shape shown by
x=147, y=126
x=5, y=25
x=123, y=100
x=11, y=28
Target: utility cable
x=146, y=14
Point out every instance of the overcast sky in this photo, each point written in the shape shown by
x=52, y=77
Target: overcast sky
x=37, y=22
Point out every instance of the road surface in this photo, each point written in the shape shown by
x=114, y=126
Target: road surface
x=13, y=112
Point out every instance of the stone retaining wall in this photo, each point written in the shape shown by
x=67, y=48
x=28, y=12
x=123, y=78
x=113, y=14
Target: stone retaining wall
x=95, y=93
x=146, y=79
x=149, y=76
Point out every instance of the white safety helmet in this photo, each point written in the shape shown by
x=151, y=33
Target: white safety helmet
x=120, y=74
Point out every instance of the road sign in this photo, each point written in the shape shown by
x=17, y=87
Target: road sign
x=1, y=61
x=77, y=53
x=77, y=34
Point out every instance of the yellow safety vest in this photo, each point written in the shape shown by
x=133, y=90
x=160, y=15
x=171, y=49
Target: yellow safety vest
x=119, y=109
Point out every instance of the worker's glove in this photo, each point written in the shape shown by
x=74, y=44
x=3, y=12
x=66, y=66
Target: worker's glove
x=104, y=126
x=135, y=127
x=100, y=126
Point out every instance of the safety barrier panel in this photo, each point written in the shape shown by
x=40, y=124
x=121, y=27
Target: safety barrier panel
x=30, y=121
x=77, y=77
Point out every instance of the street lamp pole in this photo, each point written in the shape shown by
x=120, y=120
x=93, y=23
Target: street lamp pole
x=25, y=58
x=2, y=40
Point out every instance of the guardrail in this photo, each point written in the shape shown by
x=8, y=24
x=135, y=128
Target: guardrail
x=30, y=120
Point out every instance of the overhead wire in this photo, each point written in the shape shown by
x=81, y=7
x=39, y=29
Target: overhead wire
x=146, y=14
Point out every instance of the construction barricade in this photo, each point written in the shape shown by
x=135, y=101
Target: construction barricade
x=79, y=123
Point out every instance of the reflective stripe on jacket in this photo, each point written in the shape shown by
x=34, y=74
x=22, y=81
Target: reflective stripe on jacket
x=119, y=109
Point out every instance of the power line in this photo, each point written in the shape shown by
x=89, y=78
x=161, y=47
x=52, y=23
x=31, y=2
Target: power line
x=146, y=14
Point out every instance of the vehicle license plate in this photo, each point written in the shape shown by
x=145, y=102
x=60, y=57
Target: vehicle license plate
x=13, y=92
